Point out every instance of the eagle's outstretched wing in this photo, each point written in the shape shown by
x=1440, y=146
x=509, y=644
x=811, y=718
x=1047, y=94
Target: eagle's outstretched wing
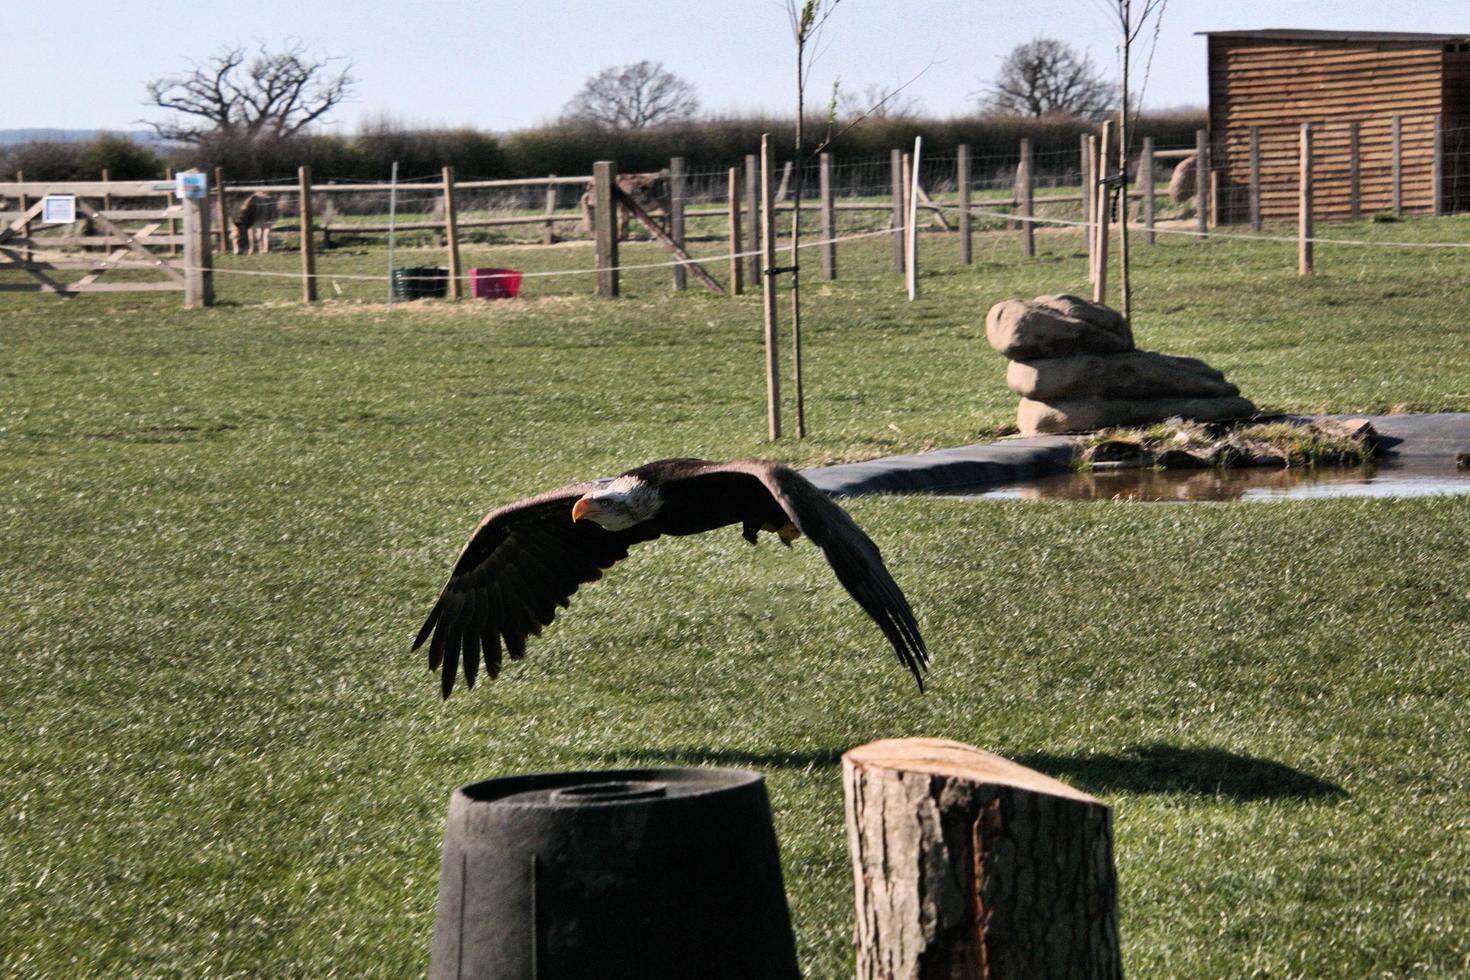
x=850, y=552
x=523, y=561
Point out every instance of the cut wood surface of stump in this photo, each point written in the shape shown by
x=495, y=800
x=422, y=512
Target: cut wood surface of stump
x=967, y=865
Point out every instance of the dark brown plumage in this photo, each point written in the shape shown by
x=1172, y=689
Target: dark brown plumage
x=527, y=558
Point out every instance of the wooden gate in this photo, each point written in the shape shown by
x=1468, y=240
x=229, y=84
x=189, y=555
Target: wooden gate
x=104, y=238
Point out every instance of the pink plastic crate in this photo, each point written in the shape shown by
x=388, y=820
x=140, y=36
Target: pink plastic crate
x=494, y=283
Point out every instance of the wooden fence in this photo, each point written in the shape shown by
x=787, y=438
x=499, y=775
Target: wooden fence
x=605, y=196
x=127, y=238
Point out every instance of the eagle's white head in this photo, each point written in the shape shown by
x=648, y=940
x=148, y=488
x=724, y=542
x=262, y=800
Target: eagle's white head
x=623, y=503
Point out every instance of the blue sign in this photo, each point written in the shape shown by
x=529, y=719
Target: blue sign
x=191, y=185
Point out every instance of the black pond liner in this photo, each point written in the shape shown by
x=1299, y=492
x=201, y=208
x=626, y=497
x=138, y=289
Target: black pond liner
x=627, y=873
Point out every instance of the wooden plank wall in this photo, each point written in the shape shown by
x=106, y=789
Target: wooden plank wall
x=1277, y=85
x=1457, y=128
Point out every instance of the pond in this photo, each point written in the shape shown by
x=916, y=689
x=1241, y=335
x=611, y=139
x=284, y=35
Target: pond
x=1256, y=484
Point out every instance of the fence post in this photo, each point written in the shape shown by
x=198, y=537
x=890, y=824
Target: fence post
x=829, y=217
x=605, y=213
x=1028, y=227
x=737, y=266
x=308, y=246
x=895, y=173
x=752, y=219
x=1089, y=197
x=1304, y=206
x=1104, y=211
x=768, y=293
x=1436, y=180
x=676, y=217
x=1355, y=172
x=1146, y=177
x=1397, y=134
x=907, y=172
x=1202, y=182
x=911, y=212
x=198, y=257
x=1255, y=203
x=1085, y=166
x=1214, y=192
x=173, y=225
x=106, y=198
x=451, y=234
x=219, y=210
x=548, y=234
x=25, y=229
x=962, y=179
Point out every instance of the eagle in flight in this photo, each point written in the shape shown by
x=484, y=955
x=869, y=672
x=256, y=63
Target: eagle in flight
x=527, y=558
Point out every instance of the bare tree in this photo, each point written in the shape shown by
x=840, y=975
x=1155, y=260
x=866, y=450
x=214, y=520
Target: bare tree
x=241, y=98
x=807, y=21
x=1130, y=26
x=878, y=102
x=1046, y=76
x=633, y=97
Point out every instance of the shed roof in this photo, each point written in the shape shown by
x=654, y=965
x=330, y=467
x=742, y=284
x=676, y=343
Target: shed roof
x=1347, y=37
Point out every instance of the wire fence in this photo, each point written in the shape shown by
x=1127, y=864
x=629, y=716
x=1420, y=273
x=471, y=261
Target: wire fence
x=1426, y=170
x=349, y=216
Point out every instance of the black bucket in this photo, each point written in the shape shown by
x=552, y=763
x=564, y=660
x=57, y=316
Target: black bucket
x=642, y=873
x=420, y=282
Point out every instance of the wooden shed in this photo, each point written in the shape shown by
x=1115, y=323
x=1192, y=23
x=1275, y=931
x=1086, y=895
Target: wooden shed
x=1390, y=117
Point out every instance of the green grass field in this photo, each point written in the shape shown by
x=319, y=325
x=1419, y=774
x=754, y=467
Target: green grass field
x=222, y=529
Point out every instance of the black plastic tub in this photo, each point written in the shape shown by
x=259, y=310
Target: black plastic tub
x=632, y=873
x=420, y=282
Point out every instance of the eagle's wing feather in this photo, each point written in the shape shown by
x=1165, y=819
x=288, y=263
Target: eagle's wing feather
x=850, y=552
x=521, y=562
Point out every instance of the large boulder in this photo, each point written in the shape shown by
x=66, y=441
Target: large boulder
x=1129, y=375
x=1054, y=326
x=1038, y=417
x=1182, y=182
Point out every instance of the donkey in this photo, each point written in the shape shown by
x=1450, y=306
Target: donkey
x=252, y=223
x=650, y=190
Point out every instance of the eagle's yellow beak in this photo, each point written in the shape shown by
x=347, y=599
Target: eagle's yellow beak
x=583, y=507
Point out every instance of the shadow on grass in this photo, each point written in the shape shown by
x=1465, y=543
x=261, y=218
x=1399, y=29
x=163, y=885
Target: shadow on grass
x=1160, y=768
x=1156, y=768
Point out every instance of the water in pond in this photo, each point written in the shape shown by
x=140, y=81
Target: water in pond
x=1176, y=486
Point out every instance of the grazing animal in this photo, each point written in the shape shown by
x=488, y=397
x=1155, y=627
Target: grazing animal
x=252, y=224
x=650, y=190
x=527, y=558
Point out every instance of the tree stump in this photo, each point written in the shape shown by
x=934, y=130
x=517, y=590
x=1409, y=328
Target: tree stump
x=967, y=865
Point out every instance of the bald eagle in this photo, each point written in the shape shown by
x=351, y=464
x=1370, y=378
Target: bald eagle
x=527, y=558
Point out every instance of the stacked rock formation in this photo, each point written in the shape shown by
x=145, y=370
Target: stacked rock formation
x=1075, y=367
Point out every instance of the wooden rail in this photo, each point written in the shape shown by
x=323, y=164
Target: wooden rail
x=1343, y=183
x=347, y=229
x=91, y=188
x=434, y=187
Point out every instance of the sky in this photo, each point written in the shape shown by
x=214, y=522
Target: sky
x=502, y=66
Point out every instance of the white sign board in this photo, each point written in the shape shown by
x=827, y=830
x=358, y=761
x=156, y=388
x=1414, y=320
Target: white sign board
x=58, y=209
x=191, y=185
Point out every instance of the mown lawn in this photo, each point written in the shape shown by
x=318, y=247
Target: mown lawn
x=222, y=529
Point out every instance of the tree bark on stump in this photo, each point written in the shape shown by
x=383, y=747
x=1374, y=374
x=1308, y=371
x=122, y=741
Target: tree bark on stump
x=967, y=865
